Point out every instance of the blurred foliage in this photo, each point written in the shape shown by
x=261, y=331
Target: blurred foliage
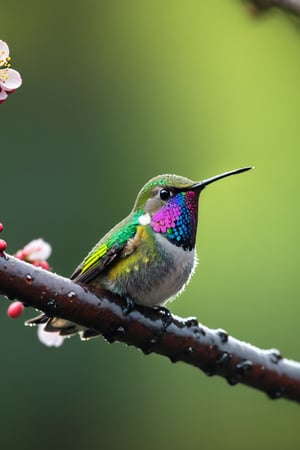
x=115, y=92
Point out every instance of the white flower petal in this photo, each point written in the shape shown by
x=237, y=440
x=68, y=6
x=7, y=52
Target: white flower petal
x=3, y=95
x=13, y=80
x=49, y=339
x=3, y=77
x=4, y=52
x=38, y=249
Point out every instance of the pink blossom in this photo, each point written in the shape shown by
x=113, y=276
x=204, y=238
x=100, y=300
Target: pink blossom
x=36, y=253
x=10, y=79
x=36, y=250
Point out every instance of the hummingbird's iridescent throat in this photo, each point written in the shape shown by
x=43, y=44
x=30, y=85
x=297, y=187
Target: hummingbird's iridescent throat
x=177, y=219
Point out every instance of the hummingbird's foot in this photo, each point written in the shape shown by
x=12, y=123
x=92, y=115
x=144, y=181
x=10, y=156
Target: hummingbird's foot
x=166, y=316
x=129, y=305
x=163, y=310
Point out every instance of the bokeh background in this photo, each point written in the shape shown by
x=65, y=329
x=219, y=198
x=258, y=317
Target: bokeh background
x=114, y=93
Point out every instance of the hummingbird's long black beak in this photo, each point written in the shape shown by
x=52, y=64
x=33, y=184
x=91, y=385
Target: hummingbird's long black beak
x=201, y=185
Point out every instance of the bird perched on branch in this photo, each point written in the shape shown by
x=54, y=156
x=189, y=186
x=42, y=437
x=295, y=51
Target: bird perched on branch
x=148, y=257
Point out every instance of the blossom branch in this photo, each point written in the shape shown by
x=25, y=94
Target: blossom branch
x=151, y=330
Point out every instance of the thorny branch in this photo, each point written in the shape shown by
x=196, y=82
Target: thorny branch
x=151, y=330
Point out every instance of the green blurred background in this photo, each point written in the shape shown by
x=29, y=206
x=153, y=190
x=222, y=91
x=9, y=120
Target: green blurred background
x=114, y=93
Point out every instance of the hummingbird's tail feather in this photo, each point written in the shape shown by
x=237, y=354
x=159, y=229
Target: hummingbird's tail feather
x=62, y=327
x=55, y=325
x=39, y=320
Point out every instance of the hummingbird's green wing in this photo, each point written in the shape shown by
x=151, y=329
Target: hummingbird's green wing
x=104, y=253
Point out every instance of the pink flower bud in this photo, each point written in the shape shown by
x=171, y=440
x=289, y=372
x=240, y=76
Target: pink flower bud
x=15, y=310
x=3, y=245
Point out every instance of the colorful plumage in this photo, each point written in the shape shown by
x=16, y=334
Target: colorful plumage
x=150, y=256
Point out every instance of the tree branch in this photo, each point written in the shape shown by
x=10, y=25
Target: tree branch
x=292, y=6
x=151, y=330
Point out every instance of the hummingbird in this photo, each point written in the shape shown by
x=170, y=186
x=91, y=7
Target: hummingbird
x=150, y=256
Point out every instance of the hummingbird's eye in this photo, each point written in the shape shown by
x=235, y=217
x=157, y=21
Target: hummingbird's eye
x=165, y=194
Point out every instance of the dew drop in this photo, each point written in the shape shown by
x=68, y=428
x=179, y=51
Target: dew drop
x=28, y=278
x=71, y=294
x=262, y=372
x=51, y=303
x=121, y=330
x=189, y=350
x=154, y=340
